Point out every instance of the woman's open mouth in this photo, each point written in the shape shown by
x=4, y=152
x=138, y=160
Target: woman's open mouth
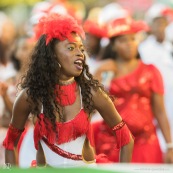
x=79, y=64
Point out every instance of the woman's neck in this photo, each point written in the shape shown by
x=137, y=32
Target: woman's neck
x=66, y=82
x=126, y=67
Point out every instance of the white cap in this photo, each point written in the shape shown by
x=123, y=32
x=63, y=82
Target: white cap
x=39, y=10
x=168, y=32
x=154, y=11
x=59, y=8
x=36, y=17
x=110, y=12
x=40, y=7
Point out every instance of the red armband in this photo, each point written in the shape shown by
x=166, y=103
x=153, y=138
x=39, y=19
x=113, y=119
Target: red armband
x=12, y=134
x=123, y=134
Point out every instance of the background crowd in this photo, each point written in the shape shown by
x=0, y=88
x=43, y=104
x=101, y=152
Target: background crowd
x=129, y=49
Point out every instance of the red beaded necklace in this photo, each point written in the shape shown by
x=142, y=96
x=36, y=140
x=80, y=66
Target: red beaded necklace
x=65, y=93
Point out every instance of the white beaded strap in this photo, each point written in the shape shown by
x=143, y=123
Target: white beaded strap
x=169, y=145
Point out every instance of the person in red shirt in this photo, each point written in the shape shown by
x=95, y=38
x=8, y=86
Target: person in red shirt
x=138, y=90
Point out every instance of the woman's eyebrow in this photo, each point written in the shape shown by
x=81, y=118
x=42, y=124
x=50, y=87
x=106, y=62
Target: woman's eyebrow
x=75, y=44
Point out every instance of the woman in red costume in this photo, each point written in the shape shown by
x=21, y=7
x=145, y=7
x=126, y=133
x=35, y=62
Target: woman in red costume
x=61, y=94
x=138, y=91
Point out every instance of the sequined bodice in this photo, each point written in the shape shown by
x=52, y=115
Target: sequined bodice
x=133, y=94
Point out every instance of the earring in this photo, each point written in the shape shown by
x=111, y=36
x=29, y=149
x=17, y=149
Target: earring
x=59, y=65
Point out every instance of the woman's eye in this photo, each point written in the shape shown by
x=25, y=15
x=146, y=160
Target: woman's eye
x=82, y=50
x=71, y=48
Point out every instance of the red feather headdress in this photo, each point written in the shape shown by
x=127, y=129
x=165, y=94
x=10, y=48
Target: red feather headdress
x=58, y=26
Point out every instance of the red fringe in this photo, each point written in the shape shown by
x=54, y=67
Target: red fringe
x=41, y=130
x=123, y=135
x=65, y=131
x=66, y=94
x=11, y=137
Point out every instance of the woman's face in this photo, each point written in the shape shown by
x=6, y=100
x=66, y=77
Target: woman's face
x=70, y=56
x=23, y=51
x=125, y=46
x=158, y=28
x=92, y=44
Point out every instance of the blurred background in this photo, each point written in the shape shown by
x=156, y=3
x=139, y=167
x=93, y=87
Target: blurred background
x=19, y=17
x=20, y=10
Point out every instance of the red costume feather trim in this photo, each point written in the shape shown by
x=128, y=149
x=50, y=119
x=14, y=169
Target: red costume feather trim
x=66, y=94
x=123, y=134
x=66, y=131
x=58, y=26
x=11, y=137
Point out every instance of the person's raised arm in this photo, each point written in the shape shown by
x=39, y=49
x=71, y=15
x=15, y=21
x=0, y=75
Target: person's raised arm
x=107, y=110
x=20, y=113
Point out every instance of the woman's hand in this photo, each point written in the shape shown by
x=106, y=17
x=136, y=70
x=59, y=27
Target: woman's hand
x=3, y=89
x=169, y=156
x=106, y=66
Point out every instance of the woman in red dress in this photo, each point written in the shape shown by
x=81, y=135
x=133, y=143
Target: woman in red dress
x=138, y=91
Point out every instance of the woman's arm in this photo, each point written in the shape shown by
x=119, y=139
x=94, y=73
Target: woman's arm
x=106, y=108
x=20, y=113
x=161, y=117
x=106, y=65
x=7, y=101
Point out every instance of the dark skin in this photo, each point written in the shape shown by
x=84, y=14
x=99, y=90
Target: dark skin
x=5, y=119
x=67, y=53
x=93, y=45
x=158, y=27
x=125, y=63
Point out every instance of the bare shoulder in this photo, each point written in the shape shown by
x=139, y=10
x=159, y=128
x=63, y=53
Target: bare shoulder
x=21, y=109
x=100, y=97
x=104, y=105
x=22, y=95
x=22, y=100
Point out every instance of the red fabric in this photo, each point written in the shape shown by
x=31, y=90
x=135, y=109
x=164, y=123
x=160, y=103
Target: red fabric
x=95, y=29
x=11, y=137
x=102, y=158
x=123, y=136
x=123, y=26
x=168, y=12
x=133, y=94
x=66, y=94
x=58, y=26
x=105, y=142
x=118, y=126
x=33, y=164
x=147, y=151
x=61, y=152
x=21, y=139
x=133, y=101
x=66, y=131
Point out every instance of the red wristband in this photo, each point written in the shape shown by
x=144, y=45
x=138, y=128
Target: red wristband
x=11, y=137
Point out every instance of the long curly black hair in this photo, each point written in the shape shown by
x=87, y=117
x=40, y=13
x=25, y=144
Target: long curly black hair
x=42, y=77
